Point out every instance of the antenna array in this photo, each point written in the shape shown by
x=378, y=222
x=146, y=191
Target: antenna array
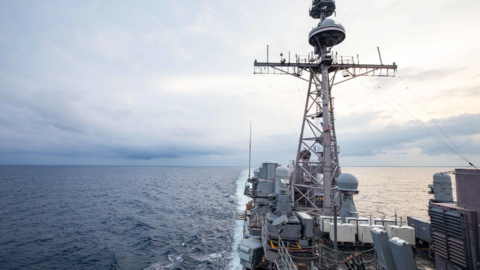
x=317, y=166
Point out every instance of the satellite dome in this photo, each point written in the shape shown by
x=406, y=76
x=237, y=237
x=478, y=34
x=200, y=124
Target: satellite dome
x=256, y=172
x=282, y=172
x=328, y=21
x=347, y=182
x=328, y=33
x=442, y=178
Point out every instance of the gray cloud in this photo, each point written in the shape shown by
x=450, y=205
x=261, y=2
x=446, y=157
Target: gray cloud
x=172, y=80
x=371, y=140
x=426, y=75
x=66, y=123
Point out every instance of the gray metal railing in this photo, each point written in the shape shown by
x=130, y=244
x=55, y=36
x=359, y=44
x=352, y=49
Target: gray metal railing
x=264, y=237
x=284, y=262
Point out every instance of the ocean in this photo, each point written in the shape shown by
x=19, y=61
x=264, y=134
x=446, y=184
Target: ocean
x=153, y=218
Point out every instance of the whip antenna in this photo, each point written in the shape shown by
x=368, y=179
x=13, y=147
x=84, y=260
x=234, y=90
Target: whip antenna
x=380, y=56
x=250, y=151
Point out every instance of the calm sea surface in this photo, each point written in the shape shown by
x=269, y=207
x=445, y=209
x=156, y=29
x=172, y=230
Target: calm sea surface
x=86, y=217
x=386, y=189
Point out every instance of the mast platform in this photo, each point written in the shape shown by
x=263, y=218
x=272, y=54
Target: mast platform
x=348, y=68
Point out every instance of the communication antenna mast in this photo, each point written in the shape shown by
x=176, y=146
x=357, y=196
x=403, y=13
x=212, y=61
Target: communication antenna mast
x=250, y=151
x=317, y=167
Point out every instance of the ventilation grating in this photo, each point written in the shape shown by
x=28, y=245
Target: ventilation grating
x=454, y=224
x=449, y=235
x=437, y=219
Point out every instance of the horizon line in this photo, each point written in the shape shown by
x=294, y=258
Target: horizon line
x=110, y=165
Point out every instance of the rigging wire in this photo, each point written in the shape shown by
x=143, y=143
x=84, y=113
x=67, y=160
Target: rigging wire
x=438, y=126
x=285, y=91
x=280, y=105
x=439, y=141
x=451, y=149
x=299, y=93
x=291, y=91
x=427, y=130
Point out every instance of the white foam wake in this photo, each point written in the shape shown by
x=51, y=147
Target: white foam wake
x=238, y=229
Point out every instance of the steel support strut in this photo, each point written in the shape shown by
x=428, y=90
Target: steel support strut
x=327, y=144
x=316, y=173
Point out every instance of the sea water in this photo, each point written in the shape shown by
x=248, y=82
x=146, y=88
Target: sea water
x=117, y=217
x=92, y=217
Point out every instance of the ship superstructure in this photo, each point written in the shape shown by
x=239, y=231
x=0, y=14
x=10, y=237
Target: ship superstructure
x=317, y=166
x=300, y=215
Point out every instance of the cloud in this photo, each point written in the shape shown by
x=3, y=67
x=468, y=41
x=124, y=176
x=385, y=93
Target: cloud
x=371, y=140
x=171, y=81
x=426, y=75
x=77, y=123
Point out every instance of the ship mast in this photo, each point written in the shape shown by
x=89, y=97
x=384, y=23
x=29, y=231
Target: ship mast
x=317, y=167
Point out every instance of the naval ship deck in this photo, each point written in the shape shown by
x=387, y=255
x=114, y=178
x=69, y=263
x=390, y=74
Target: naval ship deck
x=304, y=261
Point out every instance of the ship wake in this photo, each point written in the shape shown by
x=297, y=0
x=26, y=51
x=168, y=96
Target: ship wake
x=241, y=201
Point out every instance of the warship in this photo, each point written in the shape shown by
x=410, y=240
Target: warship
x=303, y=215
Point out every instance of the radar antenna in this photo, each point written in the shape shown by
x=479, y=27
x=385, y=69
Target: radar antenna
x=317, y=167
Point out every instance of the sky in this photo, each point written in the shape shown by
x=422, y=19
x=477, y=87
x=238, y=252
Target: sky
x=170, y=82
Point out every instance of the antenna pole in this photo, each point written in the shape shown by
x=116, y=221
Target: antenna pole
x=379, y=55
x=250, y=151
x=328, y=174
x=395, y=216
x=335, y=239
x=267, y=53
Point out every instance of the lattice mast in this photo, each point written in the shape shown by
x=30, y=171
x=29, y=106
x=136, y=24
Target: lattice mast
x=317, y=167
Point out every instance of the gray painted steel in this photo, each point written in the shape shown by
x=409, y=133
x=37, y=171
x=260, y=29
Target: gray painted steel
x=347, y=186
x=347, y=182
x=422, y=228
x=250, y=252
x=403, y=255
x=269, y=168
x=312, y=186
x=444, y=264
x=442, y=187
x=382, y=248
x=348, y=208
x=467, y=184
x=307, y=224
x=453, y=235
x=328, y=33
x=256, y=173
x=455, y=227
x=282, y=172
x=322, y=9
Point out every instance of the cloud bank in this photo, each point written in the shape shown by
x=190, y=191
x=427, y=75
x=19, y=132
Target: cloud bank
x=171, y=83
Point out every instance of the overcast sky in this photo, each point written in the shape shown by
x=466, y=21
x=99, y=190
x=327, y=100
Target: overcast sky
x=170, y=82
